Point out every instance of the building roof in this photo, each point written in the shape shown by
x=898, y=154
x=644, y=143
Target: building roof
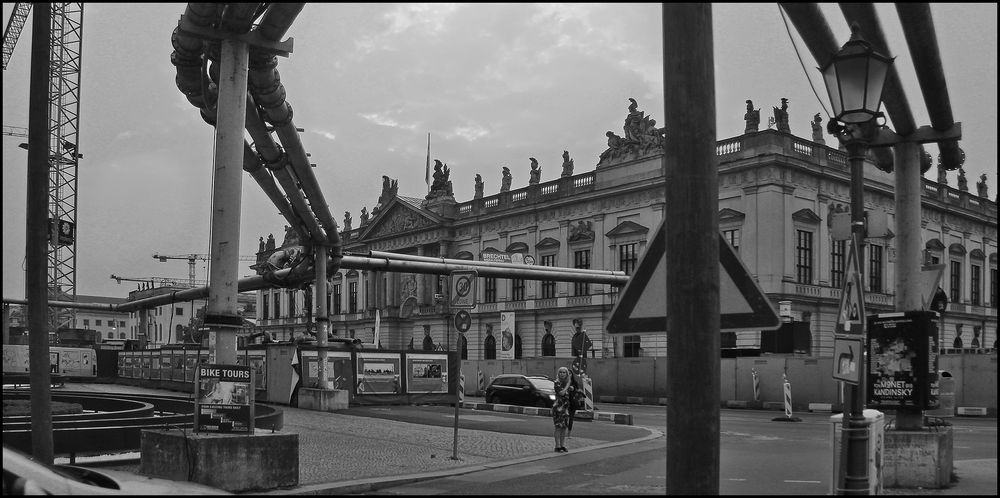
x=83, y=298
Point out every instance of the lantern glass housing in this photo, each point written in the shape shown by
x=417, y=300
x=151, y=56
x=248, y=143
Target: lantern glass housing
x=854, y=79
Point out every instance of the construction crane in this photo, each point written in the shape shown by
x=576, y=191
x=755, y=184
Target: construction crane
x=65, y=45
x=192, y=258
x=161, y=281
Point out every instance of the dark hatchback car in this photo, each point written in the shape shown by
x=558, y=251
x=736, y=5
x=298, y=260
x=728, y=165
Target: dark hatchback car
x=524, y=390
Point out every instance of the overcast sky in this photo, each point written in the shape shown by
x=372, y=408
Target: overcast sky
x=494, y=84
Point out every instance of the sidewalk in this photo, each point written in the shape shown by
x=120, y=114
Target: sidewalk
x=341, y=453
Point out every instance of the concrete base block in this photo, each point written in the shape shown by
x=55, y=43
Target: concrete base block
x=918, y=458
x=323, y=400
x=234, y=463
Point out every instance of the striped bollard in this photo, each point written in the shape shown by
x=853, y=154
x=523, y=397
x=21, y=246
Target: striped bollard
x=482, y=381
x=461, y=387
x=788, y=402
x=588, y=391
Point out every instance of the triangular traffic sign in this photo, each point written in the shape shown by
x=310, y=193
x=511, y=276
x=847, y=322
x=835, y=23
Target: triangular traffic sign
x=851, y=314
x=641, y=305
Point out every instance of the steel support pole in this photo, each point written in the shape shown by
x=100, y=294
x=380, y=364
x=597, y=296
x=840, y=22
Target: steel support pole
x=692, y=251
x=855, y=429
x=221, y=316
x=37, y=237
x=908, y=251
x=322, y=315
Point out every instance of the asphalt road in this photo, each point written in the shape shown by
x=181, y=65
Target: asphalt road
x=757, y=455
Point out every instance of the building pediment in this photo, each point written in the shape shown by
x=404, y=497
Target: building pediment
x=400, y=217
x=627, y=228
x=547, y=243
x=806, y=216
x=727, y=215
x=934, y=245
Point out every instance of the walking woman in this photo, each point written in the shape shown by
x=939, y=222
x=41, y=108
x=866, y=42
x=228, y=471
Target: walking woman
x=560, y=410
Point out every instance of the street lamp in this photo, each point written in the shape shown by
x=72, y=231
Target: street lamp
x=854, y=79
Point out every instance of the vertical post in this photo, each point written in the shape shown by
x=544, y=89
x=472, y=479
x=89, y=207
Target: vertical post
x=221, y=316
x=692, y=251
x=322, y=314
x=36, y=238
x=855, y=430
x=908, y=255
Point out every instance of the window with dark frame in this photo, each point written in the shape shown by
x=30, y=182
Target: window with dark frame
x=352, y=297
x=548, y=345
x=975, y=280
x=837, y=255
x=517, y=289
x=627, y=257
x=733, y=237
x=803, y=256
x=490, y=290
x=548, y=286
x=490, y=348
x=337, y=296
x=956, y=282
x=631, y=346
x=581, y=260
x=291, y=303
x=875, y=268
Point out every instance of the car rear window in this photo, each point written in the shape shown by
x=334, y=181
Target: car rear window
x=542, y=384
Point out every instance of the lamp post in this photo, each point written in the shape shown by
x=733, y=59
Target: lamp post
x=854, y=78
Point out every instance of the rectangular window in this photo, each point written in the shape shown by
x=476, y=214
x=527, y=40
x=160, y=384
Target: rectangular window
x=291, y=303
x=86, y=322
x=803, y=256
x=517, y=289
x=956, y=282
x=336, y=299
x=352, y=296
x=277, y=304
x=121, y=323
x=265, y=306
x=178, y=311
x=97, y=323
x=627, y=258
x=548, y=286
x=581, y=260
x=975, y=278
x=733, y=237
x=490, y=290
x=837, y=250
x=631, y=346
x=993, y=288
x=874, y=268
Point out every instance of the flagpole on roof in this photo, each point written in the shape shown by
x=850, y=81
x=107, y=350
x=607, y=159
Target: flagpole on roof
x=427, y=167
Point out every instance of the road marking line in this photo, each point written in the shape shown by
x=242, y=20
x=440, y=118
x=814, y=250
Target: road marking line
x=736, y=480
x=802, y=482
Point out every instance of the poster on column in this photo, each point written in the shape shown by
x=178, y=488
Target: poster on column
x=506, y=336
x=224, y=398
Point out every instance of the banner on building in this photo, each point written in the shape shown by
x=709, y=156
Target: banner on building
x=506, y=336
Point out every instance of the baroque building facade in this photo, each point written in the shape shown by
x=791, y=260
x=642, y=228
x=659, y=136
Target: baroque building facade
x=778, y=195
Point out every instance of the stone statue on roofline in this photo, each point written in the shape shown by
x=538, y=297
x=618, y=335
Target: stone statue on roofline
x=479, y=187
x=982, y=188
x=442, y=184
x=567, y=165
x=535, y=173
x=817, y=128
x=347, y=221
x=963, y=182
x=752, y=117
x=642, y=138
x=781, y=116
x=506, y=180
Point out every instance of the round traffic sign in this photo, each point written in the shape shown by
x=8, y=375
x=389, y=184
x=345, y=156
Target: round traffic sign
x=463, y=320
x=463, y=285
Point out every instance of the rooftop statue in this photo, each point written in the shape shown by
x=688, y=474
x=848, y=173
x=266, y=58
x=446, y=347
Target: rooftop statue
x=567, y=165
x=505, y=181
x=479, y=187
x=536, y=172
x=817, y=128
x=982, y=188
x=781, y=116
x=442, y=184
x=752, y=117
x=642, y=138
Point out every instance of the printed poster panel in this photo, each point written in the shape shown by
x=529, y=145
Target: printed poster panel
x=902, y=360
x=338, y=368
x=506, y=336
x=258, y=363
x=53, y=362
x=190, y=365
x=224, y=398
x=378, y=373
x=426, y=373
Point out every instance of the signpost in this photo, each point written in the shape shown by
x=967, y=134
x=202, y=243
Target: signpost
x=463, y=289
x=641, y=307
x=851, y=317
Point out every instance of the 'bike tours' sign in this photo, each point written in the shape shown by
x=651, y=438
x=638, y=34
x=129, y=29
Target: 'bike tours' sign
x=224, y=398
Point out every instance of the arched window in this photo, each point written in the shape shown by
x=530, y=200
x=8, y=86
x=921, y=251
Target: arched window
x=463, y=347
x=111, y=335
x=428, y=343
x=517, y=347
x=548, y=345
x=490, y=348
